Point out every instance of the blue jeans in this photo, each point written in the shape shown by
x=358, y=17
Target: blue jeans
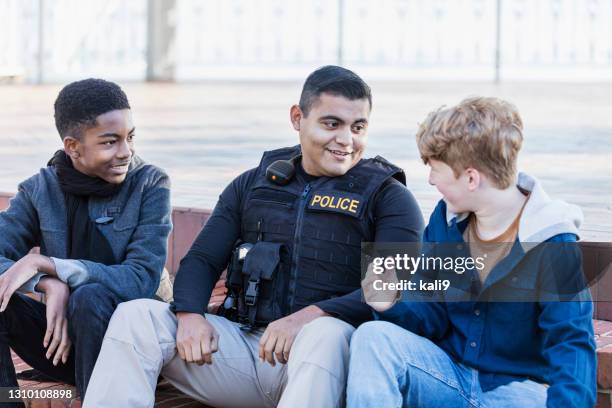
x=23, y=325
x=393, y=367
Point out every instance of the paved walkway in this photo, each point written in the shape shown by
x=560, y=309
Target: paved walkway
x=205, y=134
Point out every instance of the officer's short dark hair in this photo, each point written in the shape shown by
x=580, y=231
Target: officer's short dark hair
x=79, y=104
x=336, y=81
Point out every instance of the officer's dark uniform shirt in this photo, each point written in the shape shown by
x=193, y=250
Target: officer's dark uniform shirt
x=391, y=215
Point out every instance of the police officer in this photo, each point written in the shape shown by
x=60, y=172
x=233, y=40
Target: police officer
x=299, y=218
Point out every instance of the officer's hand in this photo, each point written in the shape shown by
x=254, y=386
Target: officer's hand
x=280, y=334
x=196, y=338
x=376, y=294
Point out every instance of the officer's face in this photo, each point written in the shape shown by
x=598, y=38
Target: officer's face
x=333, y=135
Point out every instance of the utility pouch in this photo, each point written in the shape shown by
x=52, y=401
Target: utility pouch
x=233, y=302
x=259, y=275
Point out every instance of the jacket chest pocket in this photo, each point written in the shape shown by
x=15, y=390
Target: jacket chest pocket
x=263, y=196
x=53, y=237
x=53, y=242
x=509, y=312
x=514, y=298
x=269, y=213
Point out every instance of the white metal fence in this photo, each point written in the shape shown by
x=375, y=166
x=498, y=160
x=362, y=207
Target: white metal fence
x=55, y=40
x=58, y=40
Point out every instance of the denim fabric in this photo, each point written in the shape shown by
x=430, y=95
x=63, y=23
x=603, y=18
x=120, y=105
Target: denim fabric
x=393, y=367
x=551, y=342
x=23, y=324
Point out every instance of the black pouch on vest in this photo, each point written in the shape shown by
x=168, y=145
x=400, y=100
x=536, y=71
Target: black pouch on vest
x=260, y=277
x=233, y=301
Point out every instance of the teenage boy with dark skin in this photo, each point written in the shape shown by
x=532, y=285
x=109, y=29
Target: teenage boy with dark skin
x=101, y=217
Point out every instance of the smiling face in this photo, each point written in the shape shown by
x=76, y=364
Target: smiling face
x=106, y=149
x=333, y=135
x=456, y=191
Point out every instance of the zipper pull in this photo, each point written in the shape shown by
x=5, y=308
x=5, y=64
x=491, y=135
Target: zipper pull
x=306, y=191
x=259, y=231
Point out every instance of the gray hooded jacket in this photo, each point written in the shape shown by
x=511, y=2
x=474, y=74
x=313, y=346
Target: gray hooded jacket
x=138, y=233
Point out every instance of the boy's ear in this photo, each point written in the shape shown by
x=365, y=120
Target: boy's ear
x=295, y=115
x=72, y=147
x=474, y=178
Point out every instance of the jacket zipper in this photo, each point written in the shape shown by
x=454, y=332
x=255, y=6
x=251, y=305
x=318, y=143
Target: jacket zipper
x=296, y=246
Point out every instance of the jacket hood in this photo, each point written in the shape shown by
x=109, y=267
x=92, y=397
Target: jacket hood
x=542, y=217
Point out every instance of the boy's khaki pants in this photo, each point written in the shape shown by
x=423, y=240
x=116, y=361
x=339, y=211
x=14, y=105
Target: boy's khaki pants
x=140, y=344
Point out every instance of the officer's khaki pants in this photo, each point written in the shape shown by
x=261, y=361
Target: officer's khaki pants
x=140, y=343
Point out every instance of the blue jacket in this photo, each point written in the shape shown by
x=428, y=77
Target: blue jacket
x=138, y=234
x=549, y=342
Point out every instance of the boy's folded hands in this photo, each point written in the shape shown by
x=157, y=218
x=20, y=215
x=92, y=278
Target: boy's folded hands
x=56, y=339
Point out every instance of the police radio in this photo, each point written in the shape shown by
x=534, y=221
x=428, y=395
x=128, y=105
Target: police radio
x=282, y=171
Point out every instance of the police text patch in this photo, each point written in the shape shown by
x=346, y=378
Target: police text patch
x=340, y=202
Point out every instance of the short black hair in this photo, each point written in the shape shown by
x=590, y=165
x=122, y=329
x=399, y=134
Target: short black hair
x=79, y=104
x=336, y=81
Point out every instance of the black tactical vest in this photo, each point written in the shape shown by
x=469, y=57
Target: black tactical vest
x=321, y=225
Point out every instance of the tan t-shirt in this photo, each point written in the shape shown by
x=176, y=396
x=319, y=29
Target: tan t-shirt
x=491, y=250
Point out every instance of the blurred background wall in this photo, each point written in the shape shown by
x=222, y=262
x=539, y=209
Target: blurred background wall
x=51, y=41
x=211, y=81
